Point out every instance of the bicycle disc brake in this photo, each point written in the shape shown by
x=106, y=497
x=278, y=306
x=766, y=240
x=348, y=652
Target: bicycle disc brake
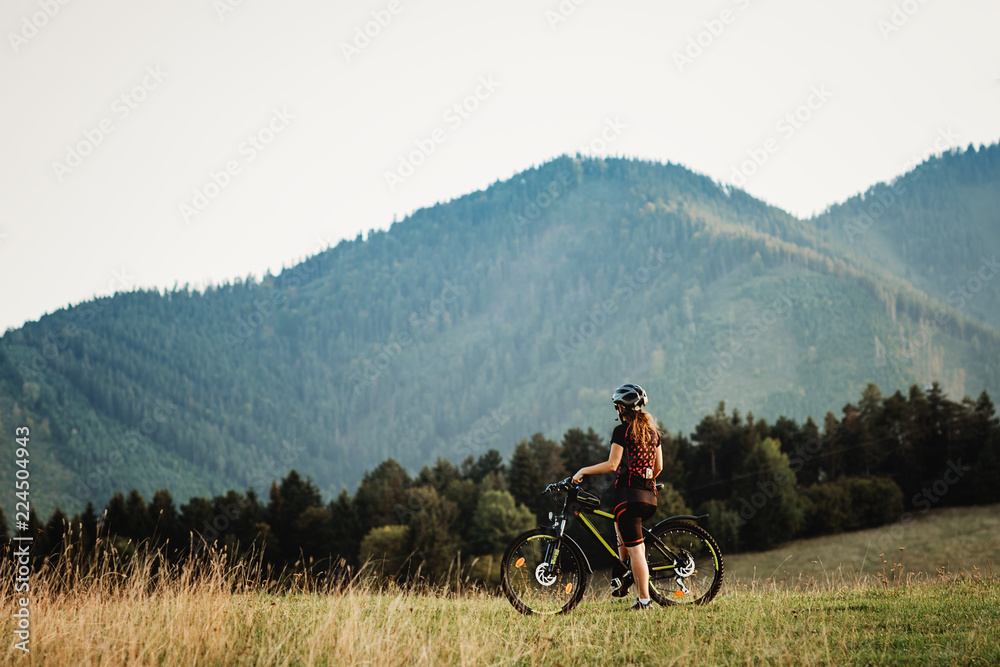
x=543, y=576
x=686, y=567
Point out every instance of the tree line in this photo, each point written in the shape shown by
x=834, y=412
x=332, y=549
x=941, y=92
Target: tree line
x=761, y=484
x=344, y=347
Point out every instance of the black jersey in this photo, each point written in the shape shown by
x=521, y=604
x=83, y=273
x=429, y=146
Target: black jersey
x=635, y=472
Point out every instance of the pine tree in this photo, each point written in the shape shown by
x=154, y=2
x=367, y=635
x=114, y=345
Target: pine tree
x=162, y=516
x=347, y=529
x=432, y=532
x=288, y=502
x=583, y=449
x=381, y=498
x=764, y=495
x=525, y=480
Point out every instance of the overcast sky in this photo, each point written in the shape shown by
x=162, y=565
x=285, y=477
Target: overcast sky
x=192, y=141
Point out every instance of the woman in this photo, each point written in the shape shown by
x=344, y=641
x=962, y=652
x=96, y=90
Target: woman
x=637, y=440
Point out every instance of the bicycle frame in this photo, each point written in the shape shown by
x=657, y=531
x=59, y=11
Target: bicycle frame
x=573, y=505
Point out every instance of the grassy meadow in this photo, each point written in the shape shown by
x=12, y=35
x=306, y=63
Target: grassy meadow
x=947, y=540
x=216, y=614
x=957, y=622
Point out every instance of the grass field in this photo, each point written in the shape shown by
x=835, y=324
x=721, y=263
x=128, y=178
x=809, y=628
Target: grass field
x=219, y=616
x=954, y=623
x=957, y=539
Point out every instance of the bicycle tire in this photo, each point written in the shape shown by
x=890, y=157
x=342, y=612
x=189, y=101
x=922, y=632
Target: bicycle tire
x=705, y=565
x=527, y=585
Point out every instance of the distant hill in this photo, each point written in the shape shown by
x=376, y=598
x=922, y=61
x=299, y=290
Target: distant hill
x=510, y=311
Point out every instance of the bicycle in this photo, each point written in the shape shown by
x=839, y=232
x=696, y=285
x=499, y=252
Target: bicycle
x=545, y=571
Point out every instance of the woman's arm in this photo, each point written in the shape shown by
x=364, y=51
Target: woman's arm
x=658, y=464
x=614, y=458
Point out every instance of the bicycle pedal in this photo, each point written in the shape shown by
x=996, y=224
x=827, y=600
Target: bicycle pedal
x=620, y=586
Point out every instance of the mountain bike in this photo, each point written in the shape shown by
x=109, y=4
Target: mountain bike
x=545, y=571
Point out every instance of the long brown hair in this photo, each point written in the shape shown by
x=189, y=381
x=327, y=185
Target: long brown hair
x=641, y=426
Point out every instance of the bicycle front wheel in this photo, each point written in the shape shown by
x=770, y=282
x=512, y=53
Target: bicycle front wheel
x=685, y=564
x=541, y=576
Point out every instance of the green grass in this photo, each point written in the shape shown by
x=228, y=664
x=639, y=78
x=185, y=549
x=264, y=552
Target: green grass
x=957, y=539
x=950, y=623
x=774, y=608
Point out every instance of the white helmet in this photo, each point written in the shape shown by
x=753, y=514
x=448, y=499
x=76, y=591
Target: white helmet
x=630, y=396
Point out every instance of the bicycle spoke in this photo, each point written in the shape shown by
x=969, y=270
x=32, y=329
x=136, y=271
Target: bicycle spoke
x=685, y=564
x=536, y=581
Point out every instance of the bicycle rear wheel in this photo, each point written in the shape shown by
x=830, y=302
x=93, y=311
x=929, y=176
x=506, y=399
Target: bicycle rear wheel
x=529, y=581
x=685, y=564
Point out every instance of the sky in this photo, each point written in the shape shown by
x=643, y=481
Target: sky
x=152, y=144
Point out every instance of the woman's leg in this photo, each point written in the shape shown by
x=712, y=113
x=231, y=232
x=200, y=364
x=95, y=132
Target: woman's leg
x=622, y=552
x=640, y=569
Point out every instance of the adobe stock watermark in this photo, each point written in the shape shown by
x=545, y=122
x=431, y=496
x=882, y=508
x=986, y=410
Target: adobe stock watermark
x=265, y=308
x=373, y=367
x=454, y=117
x=545, y=198
x=703, y=40
x=924, y=500
x=120, y=109
x=120, y=281
x=957, y=298
x=365, y=34
x=927, y=497
x=224, y=7
x=886, y=198
x=470, y=444
x=766, y=490
x=562, y=13
x=706, y=377
x=246, y=325
x=609, y=134
x=748, y=507
x=84, y=486
x=54, y=343
x=599, y=316
x=945, y=140
x=786, y=126
x=272, y=469
x=34, y=23
x=248, y=150
x=899, y=16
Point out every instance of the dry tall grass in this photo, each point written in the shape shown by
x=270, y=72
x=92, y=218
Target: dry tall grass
x=214, y=611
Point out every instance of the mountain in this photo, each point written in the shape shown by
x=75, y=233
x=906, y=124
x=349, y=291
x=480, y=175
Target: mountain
x=514, y=310
x=936, y=226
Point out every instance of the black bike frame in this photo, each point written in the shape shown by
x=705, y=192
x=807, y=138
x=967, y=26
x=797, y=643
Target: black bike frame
x=577, y=508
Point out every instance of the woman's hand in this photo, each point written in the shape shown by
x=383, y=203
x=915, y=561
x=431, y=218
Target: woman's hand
x=578, y=477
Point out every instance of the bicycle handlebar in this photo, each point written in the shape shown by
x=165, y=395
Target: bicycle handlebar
x=568, y=483
x=562, y=485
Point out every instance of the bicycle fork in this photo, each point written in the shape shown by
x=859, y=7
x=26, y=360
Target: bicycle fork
x=552, y=551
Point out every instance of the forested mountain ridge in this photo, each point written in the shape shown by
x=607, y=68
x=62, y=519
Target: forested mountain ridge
x=470, y=325
x=935, y=226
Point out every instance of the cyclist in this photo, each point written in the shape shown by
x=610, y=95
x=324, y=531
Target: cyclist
x=637, y=459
